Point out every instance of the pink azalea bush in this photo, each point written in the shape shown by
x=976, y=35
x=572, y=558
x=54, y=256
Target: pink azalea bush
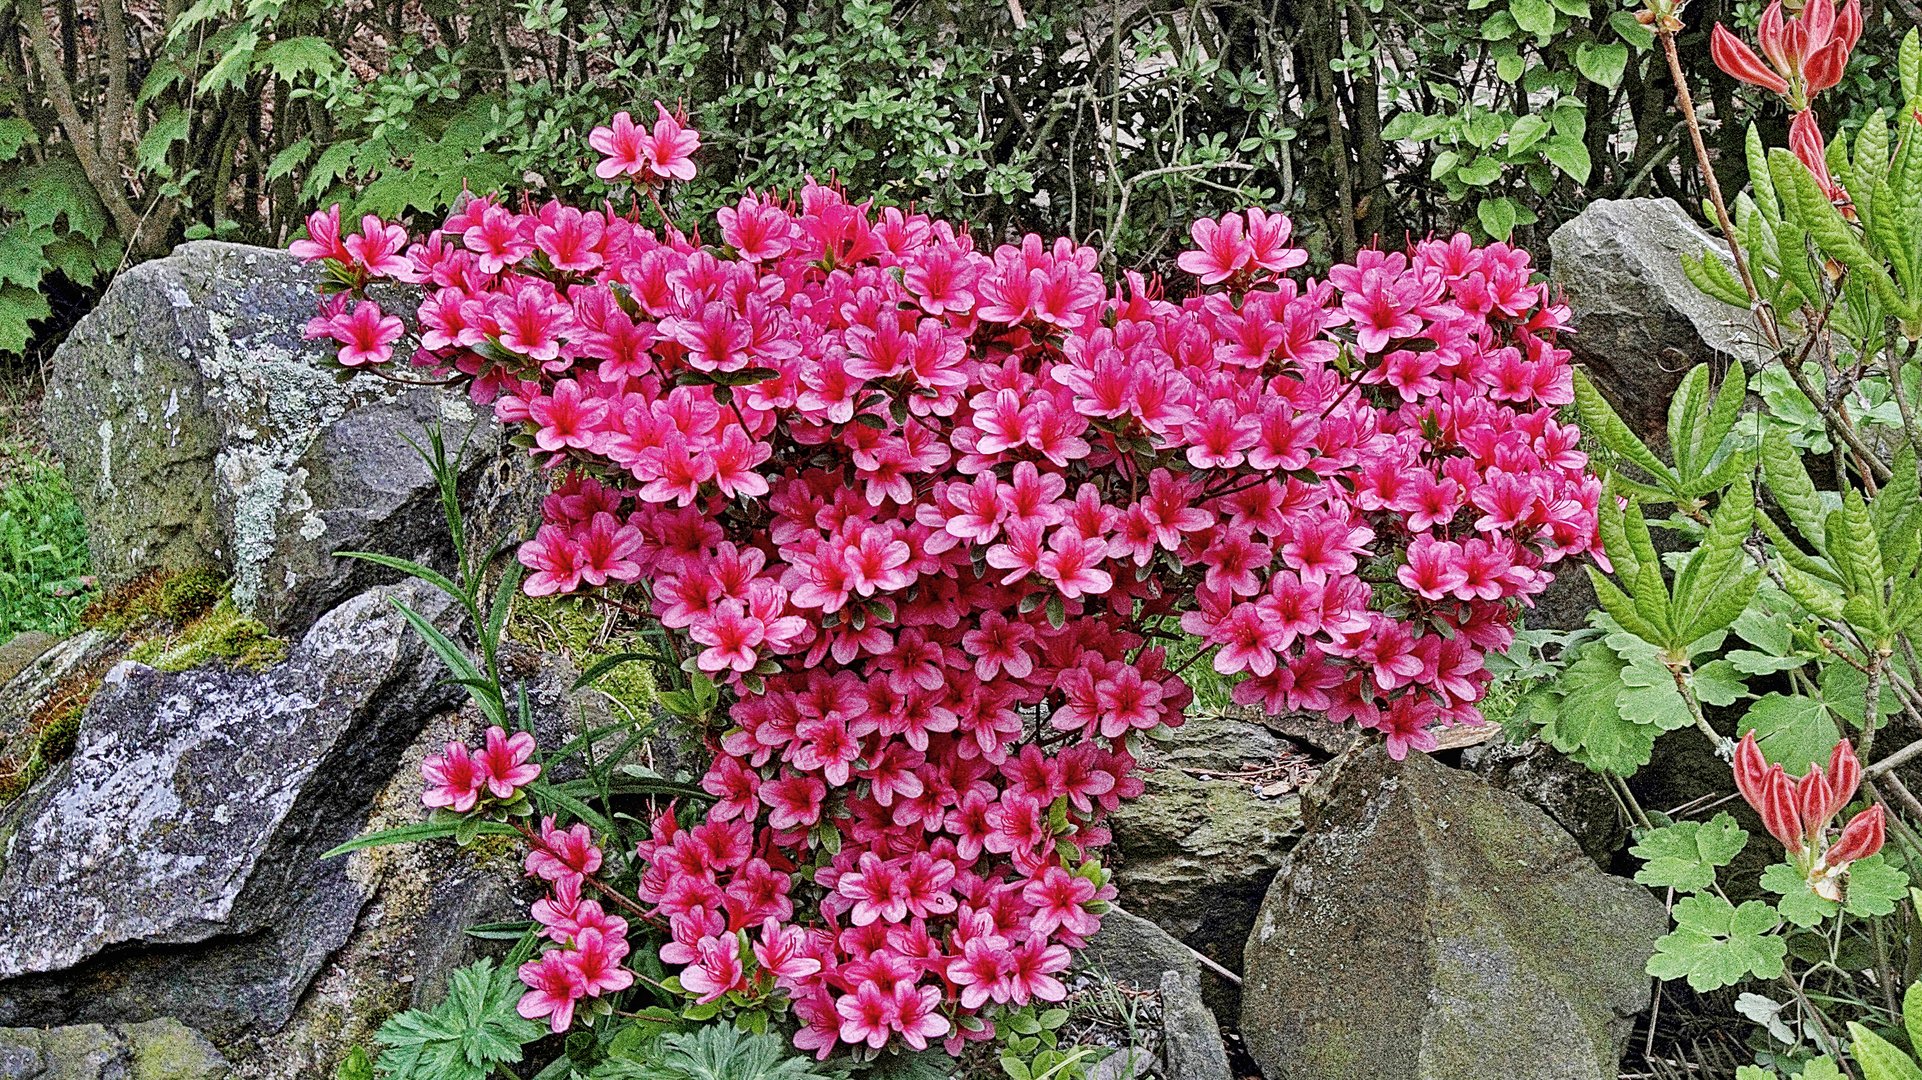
x=930, y=516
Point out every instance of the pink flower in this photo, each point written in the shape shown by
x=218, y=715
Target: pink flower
x=323, y=238
x=668, y=152
x=554, y=985
x=868, y=1015
x=716, y=969
x=366, y=336
x=563, y=854
x=454, y=779
x=1223, y=253
x=620, y=148
x=379, y=249
x=503, y=762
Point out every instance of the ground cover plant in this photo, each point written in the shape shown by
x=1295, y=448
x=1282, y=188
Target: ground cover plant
x=910, y=526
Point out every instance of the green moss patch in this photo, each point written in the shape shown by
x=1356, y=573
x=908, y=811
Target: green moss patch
x=586, y=634
x=221, y=636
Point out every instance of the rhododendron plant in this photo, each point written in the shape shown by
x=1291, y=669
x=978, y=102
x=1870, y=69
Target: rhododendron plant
x=1798, y=812
x=929, y=516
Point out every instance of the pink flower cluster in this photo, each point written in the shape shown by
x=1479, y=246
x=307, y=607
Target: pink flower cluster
x=929, y=512
x=459, y=777
x=592, y=942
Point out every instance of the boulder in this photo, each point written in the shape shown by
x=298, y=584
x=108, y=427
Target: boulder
x=1578, y=800
x=410, y=936
x=164, y=1049
x=198, y=427
x=23, y=649
x=40, y=705
x=1132, y=950
x=1199, y=847
x=1218, y=813
x=1639, y=323
x=1429, y=926
x=170, y=867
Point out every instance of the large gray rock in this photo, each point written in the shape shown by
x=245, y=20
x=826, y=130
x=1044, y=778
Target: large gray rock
x=169, y=867
x=1134, y=951
x=155, y=1050
x=198, y=428
x=1639, y=323
x=1199, y=847
x=1578, y=800
x=1431, y=927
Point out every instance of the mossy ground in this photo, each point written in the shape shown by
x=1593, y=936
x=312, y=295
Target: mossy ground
x=587, y=634
x=51, y=731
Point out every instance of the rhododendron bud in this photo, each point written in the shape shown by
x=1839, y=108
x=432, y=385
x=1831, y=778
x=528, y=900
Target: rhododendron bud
x=1805, y=139
x=1806, y=54
x=1861, y=838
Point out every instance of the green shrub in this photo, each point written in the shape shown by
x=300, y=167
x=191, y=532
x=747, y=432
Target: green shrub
x=43, y=547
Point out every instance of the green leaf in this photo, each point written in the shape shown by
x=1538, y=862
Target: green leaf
x=171, y=128
x=1713, y=276
x=1715, y=584
x=1800, y=904
x=20, y=307
x=355, y=1066
x=1874, y=887
x=1535, y=16
x=1577, y=714
x=292, y=157
x=470, y=1032
x=1715, y=944
x=1788, y=481
x=1602, y=64
x=15, y=135
x=1480, y=172
x=1909, y=63
x=234, y=64
x=1685, y=855
x=1879, y=1058
x=1631, y=30
x=1600, y=421
x=1497, y=217
x=1569, y=154
x=414, y=834
x=290, y=58
x=1912, y=999
x=1718, y=682
x=1793, y=732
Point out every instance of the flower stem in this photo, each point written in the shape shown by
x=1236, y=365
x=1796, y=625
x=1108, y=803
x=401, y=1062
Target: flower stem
x=1685, y=103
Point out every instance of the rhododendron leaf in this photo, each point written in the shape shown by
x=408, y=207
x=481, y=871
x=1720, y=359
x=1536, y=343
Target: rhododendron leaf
x=1715, y=584
x=414, y=834
x=1621, y=606
x=1715, y=944
x=1878, y=1058
x=1685, y=855
x=1711, y=275
x=1600, y=421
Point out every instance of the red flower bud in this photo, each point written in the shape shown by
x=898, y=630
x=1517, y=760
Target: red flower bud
x=1741, y=62
x=1861, y=838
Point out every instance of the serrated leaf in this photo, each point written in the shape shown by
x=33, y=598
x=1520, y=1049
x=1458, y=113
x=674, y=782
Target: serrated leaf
x=1718, y=682
x=15, y=135
x=20, y=307
x=1578, y=716
x=1788, y=481
x=1792, y=731
x=291, y=58
x=166, y=131
x=1600, y=421
x=1714, y=278
x=1875, y=886
x=1800, y=904
x=1715, y=944
x=1685, y=855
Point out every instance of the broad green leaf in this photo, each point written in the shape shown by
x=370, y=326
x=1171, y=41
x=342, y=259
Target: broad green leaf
x=1715, y=944
x=1713, y=277
x=1579, y=716
x=1845, y=691
x=1569, y=154
x=1878, y=1058
x=1718, y=683
x=1602, y=64
x=1793, y=732
x=1685, y=855
x=15, y=134
x=1649, y=695
x=291, y=58
x=166, y=131
x=1535, y=16
x=1800, y=904
x=1497, y=217
x=1600, y=421
x=1632, y=31
x=1480, y=172
x=1912, y=998
x=1874, y=887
